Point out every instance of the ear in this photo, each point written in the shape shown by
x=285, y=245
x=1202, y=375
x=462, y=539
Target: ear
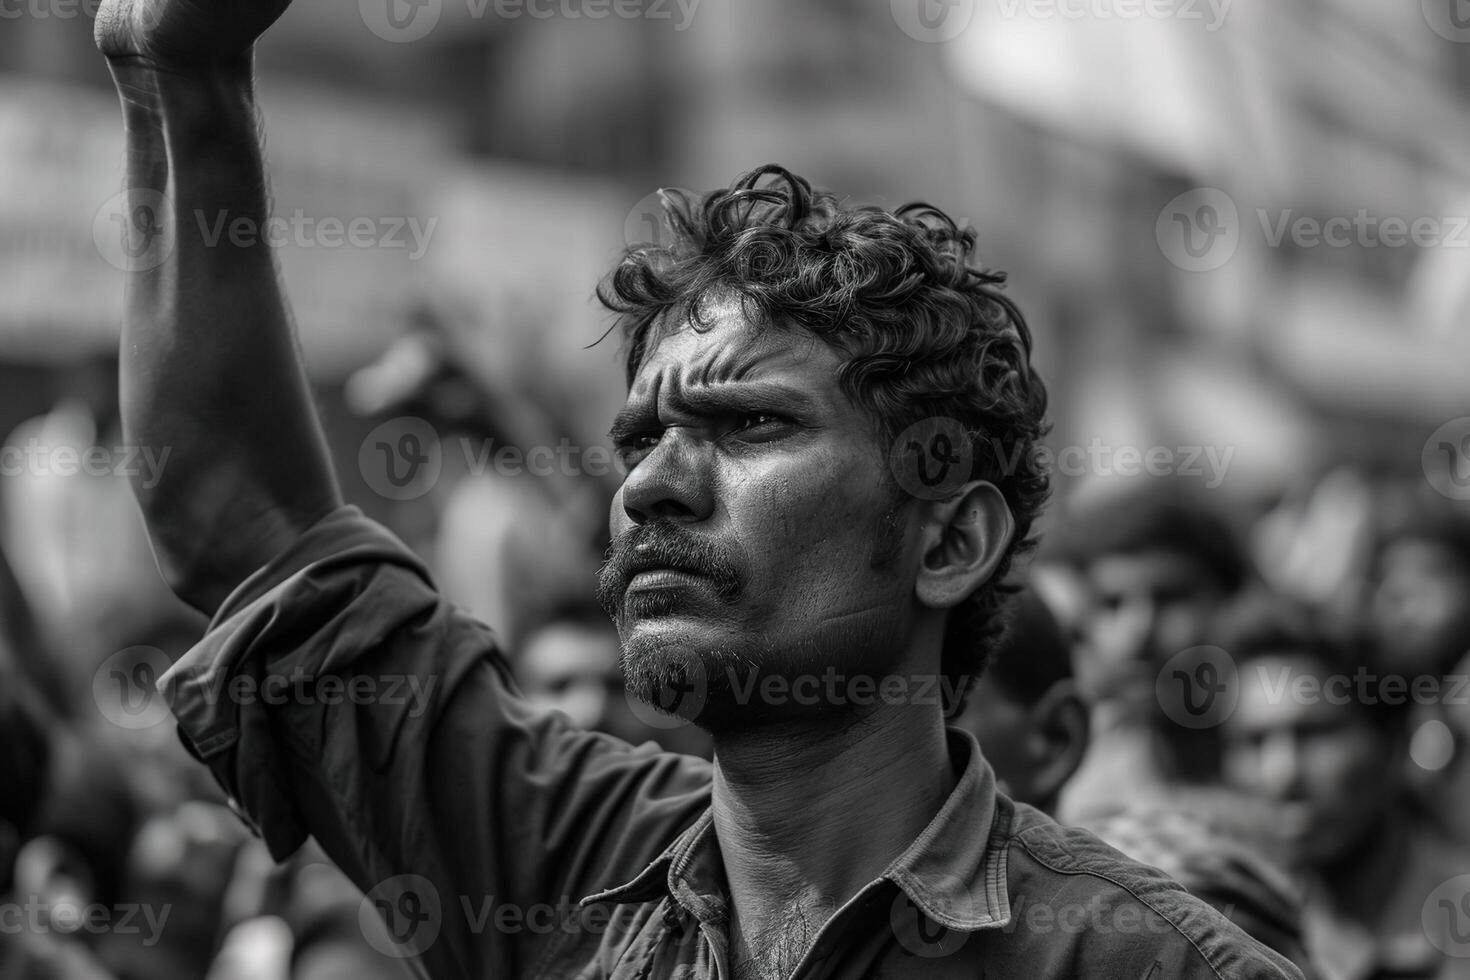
x=1059, y=721
x=963, y=539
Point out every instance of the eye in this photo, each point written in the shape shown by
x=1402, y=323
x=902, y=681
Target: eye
x=756, y=421
x=632, y=449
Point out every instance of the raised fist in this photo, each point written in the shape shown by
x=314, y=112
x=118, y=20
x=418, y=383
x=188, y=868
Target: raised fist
x=184, y=34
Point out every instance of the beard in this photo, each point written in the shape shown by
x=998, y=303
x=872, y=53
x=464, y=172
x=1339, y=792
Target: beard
x=764, y=681
x=747, y=678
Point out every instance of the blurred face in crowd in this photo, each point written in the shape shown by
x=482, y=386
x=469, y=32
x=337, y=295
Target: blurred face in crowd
x=1421, y=607
x=571, y=667
x=1442, y=748
x=755, y=530
x=1033, y=748
x=1146, y=606
x=1331, y=773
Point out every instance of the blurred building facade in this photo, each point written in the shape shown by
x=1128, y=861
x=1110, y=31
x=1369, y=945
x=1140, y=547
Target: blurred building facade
x=1063, y=131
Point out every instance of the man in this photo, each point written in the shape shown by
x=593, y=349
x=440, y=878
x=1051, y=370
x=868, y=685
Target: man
x=761, y=540
x=1320, y=733
x=1156, y=563
x=1026, y=713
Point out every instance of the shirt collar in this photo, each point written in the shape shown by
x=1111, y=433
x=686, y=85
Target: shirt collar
x=955, y=871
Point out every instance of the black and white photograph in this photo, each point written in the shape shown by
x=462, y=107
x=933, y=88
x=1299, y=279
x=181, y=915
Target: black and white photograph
x=734, y=489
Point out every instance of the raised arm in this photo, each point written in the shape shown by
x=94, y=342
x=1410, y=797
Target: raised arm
x=210, y=369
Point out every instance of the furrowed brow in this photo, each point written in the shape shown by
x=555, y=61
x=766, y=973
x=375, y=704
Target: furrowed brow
x=632, y=420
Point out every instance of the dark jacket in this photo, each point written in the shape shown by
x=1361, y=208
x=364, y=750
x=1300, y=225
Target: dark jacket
x=337, y=694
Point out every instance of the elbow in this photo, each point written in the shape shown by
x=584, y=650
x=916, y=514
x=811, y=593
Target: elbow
x=190, y=578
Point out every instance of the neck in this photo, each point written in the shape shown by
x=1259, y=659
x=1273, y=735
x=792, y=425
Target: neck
x=806, y=819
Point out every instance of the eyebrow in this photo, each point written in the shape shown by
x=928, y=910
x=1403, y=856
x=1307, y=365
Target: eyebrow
x=709, y=399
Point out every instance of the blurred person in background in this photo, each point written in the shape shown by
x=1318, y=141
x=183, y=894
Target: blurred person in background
x=1033, y=728
x=1328, y=753
x=68, y=894
x=301, y=921
x=1025, y=710
x=78, y=544
x=1441, y=753
x=504, y=540
x=1419, y=603
x=570, y=662
x=1156, y=562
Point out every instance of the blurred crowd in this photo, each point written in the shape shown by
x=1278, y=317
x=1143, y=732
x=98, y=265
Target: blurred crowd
x=1269, y=702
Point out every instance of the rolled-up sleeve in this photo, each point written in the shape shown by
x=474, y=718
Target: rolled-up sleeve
x=337, y=694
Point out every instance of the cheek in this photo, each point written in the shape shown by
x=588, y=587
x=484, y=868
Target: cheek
x=812, y=534
x=618, y=520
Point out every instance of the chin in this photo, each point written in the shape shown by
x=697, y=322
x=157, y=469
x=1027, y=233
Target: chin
x=683, y=668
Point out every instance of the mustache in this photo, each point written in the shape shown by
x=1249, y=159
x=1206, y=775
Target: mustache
x=663, y=543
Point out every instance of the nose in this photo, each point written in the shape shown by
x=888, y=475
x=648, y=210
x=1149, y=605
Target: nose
x=672, y=482
x=1280, y=765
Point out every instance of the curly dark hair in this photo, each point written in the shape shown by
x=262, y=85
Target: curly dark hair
x=922, y=333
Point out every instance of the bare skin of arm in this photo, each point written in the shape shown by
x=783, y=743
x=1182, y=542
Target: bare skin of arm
x=210, y=368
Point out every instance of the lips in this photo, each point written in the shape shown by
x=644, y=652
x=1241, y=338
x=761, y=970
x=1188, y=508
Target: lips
x=650, y=566
x=660, y=557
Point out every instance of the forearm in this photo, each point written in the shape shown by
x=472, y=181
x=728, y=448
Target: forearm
x=210, y=371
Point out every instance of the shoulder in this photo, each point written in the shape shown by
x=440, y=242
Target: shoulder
x=1071, y=889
